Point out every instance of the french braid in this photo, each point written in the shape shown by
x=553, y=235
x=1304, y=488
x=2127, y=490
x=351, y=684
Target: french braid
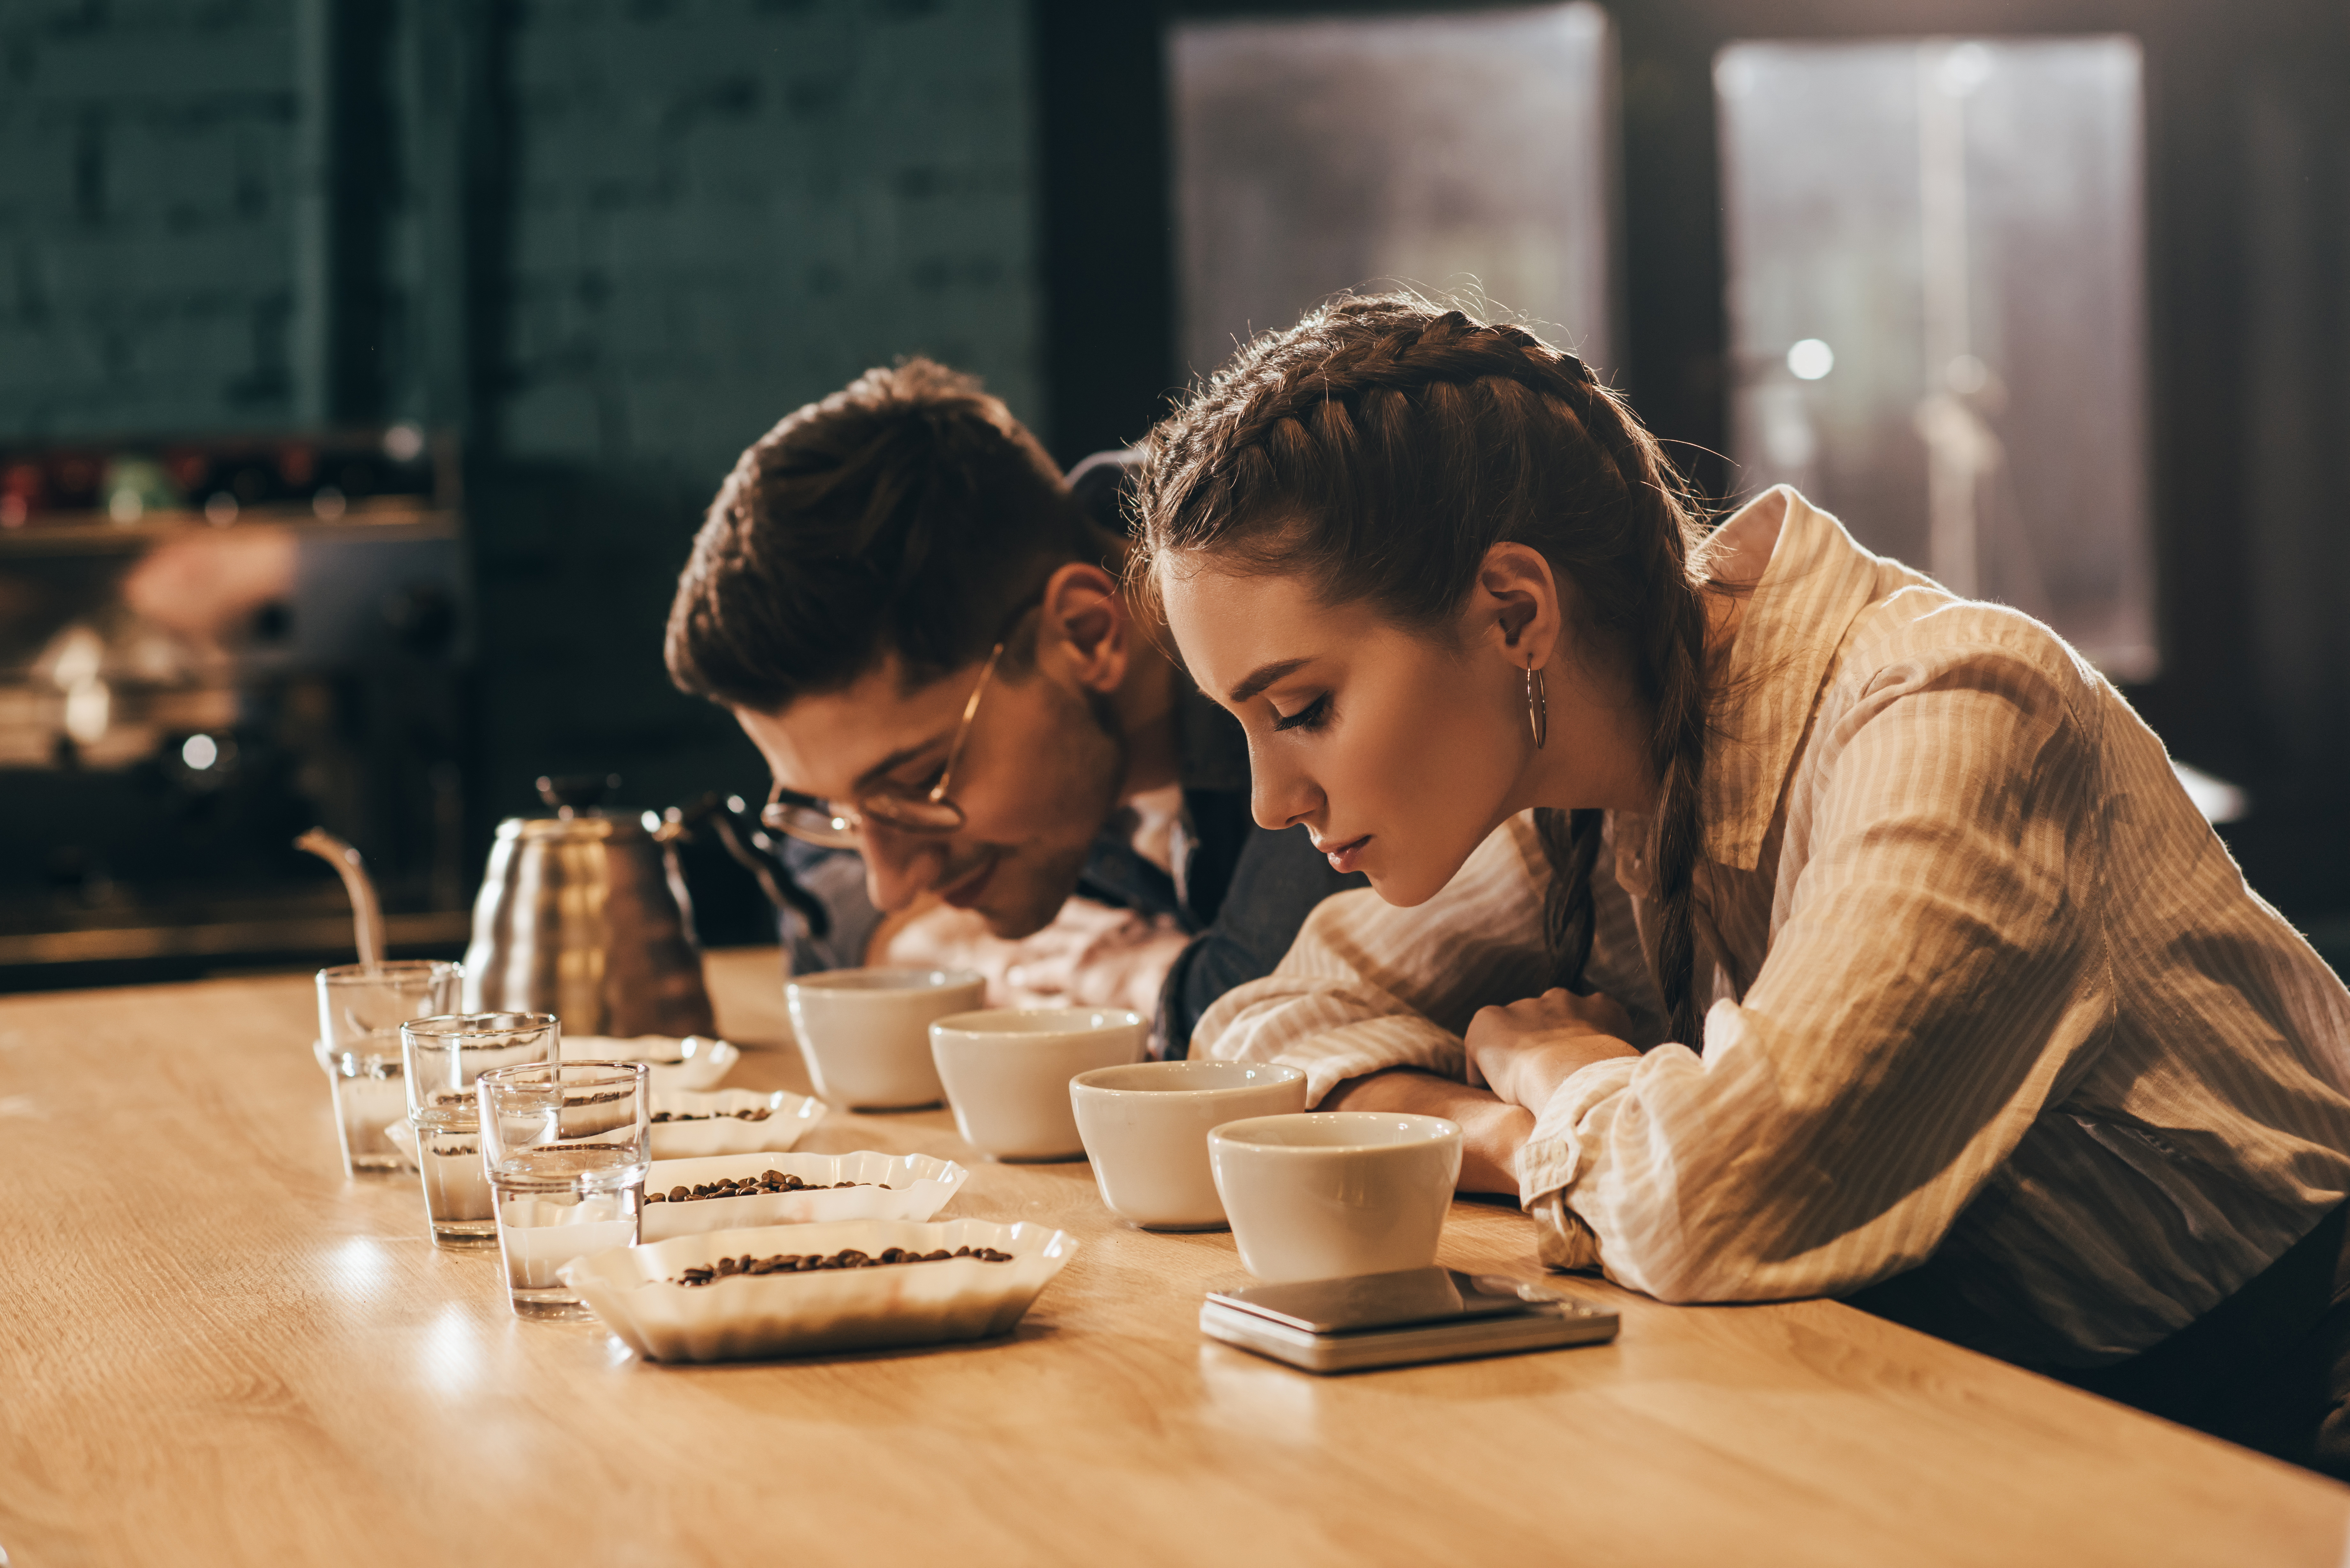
x=1380, y=447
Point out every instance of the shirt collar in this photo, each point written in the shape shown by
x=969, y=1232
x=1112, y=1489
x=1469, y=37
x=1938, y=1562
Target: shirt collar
x=1817, y=581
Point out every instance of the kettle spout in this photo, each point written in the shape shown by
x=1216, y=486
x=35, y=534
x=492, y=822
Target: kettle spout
x=367, y=914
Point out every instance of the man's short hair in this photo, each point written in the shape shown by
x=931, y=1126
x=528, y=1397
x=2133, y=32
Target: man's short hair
x=908, y=512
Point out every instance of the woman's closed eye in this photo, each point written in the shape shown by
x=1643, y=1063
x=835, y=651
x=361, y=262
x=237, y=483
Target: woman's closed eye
x=1309, y=717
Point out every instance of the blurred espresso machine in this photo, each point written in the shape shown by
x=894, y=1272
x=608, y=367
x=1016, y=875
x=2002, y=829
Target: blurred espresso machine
x=205, y=648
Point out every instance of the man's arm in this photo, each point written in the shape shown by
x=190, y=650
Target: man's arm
x=1090, y=956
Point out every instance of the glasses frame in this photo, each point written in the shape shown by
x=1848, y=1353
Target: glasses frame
x=813, y=821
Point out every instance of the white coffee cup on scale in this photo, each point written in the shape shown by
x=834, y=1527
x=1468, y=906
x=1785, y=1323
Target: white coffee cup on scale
x=1333, y=1193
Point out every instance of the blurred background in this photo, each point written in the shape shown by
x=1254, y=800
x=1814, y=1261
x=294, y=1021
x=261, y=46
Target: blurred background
x=365, y=364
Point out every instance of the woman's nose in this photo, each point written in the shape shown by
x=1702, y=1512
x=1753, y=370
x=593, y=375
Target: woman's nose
x=1280, y=796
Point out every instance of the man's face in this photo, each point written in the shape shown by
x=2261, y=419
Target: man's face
x=1038, y=775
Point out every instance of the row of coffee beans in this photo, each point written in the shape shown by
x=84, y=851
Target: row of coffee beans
x=755, y=1114
x=847, y=1257
x=744, y=1187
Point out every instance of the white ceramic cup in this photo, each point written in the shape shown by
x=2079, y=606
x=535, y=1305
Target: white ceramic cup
x=1145, y=1130
x=864, y=1033
x=1332, y=1193
x=1007, y=1073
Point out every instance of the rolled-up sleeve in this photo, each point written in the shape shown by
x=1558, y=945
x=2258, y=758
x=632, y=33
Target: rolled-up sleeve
x=1931, y=986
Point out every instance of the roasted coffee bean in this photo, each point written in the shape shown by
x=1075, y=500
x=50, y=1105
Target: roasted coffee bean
x=748, y=1186
x=847, y=1257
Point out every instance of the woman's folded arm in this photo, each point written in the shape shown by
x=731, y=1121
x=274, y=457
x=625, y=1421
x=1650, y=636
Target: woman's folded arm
x=1930, y=993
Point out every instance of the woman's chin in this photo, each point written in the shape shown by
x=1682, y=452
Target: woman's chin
x=1404, y=891
x=1408, y=875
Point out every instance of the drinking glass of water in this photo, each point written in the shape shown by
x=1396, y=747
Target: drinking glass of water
x=443, y=1057
x=567, y=1147
x=360, y=1009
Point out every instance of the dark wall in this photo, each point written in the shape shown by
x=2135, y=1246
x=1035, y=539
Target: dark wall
x=607, y=241
x=714, y=210
x=149, y=217
x=1108, y=251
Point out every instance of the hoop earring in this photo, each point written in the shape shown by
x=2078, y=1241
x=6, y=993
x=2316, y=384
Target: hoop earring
x=1537, y=706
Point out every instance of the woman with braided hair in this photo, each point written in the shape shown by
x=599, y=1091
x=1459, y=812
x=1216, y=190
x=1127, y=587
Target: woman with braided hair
x=1774, y=923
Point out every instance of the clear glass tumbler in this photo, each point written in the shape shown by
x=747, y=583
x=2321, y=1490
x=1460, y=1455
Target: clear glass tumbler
x=568, y=1148
x=360, y=1010
x=443, y=1057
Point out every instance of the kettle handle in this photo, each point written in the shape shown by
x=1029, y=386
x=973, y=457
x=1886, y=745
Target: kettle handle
x=570, y=793
x=757, y=856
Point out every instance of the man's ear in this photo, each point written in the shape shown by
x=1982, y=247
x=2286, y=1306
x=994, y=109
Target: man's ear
x=1515, y=606
x=1083, y=629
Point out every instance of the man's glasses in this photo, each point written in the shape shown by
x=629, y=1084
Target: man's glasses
x=894, y=807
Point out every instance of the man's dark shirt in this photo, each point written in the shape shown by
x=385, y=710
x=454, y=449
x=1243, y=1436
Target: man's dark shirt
x=1243, y=891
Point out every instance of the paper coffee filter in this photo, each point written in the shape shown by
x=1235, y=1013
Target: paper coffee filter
x=762, y=1316
x=901, y=1187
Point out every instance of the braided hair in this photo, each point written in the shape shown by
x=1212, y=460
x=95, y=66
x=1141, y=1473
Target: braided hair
x=1380, y=448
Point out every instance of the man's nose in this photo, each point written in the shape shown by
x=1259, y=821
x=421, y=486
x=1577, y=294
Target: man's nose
x=900, y=867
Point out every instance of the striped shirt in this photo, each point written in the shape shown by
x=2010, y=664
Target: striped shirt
x=1986, y=989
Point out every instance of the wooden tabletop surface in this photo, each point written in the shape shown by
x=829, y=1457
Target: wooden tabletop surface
x=215, y=1349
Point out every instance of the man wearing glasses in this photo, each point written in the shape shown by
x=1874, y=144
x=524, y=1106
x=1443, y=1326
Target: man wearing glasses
x=921, y=627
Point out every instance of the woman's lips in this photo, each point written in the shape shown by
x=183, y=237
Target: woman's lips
x=1347, y=856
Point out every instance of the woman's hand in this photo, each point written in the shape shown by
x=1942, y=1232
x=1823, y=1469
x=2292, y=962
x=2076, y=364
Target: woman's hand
x=1491, y=1131
x=1528, y=1049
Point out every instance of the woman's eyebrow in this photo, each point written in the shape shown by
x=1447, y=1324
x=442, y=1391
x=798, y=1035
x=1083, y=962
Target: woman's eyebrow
x=1265, y=676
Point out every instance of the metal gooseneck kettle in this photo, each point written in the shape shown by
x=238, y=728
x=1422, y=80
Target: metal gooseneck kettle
x=583, y=914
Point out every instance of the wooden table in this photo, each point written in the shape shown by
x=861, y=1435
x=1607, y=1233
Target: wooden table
x=215, y=1349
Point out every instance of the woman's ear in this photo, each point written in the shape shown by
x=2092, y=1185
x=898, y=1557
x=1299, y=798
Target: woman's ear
x=1083, y=629
x=1514, y=605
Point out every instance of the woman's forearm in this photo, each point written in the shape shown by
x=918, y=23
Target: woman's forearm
x=1490, y=1129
